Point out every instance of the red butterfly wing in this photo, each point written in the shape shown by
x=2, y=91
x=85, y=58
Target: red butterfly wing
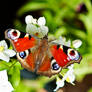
x=39, y=55
x=20, y=40
x=64, y=55
x=24, y=43
x=59, y=55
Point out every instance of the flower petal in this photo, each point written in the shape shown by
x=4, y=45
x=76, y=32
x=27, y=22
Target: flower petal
x=68, y=43
x=31, y=29
x=28, y=19
x=4, y=57
x=71, y=78
x=41, y=21
x=60, y=83
x=3, y=43
x=62, y=41
x=6, y=87
x=77, y=43
x=10, y=53
x=3, y=76
x=43, y=30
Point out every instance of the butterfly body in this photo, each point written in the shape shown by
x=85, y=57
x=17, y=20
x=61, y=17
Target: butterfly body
x=39, y=55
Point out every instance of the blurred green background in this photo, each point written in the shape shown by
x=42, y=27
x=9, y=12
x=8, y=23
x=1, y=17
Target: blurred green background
x=69, y=18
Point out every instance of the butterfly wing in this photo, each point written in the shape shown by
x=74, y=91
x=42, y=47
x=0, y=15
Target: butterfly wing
x=64, y=55
x=49, y=66
x=39, y=56
x=20, y=40
x=25, y=45
x=58, y=57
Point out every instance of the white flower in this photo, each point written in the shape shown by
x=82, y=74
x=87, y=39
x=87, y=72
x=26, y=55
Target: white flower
x=36, y=27
x=77, y=43
x=43, y=30
x=29, y=20
x=5, y=85
x=41, y=21
x=62, y=40
x=31, y=29
x=5, y=53
x=69, y=77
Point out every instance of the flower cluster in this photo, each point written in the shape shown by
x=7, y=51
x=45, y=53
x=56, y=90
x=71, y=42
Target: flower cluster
x=68, y=76
x=5, y=55
x=36, y=27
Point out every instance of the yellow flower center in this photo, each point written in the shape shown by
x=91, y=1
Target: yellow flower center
x=67, y=79
x=1, y=48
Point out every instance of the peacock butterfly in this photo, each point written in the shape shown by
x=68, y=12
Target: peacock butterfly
x=39, y=55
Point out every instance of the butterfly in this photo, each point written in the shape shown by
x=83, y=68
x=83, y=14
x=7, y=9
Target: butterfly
x=40, y=55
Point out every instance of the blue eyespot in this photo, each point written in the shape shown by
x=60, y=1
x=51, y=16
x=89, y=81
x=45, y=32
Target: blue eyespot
x=22, y=54
x=55, y=66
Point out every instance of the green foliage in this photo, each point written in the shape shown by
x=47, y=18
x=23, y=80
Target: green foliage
x=90, y=90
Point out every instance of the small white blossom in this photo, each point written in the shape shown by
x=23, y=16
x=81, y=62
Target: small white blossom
x=5, y=53
x=62, y=40
x=43, y=30
x=5, y=85
x=31, y=29
x=59, y=83
x=69, y=77
x=40, y=30
x=28, y=19
x=41, y=21
x=77, y=43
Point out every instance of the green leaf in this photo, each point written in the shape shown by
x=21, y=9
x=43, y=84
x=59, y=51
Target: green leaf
x=14, y=74
x=90, y=90
x=3, y=65
x=22, y=87
x=87, y=20
x=60, y=31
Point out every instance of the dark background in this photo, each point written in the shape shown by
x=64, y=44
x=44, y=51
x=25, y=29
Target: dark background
x=8, y=9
